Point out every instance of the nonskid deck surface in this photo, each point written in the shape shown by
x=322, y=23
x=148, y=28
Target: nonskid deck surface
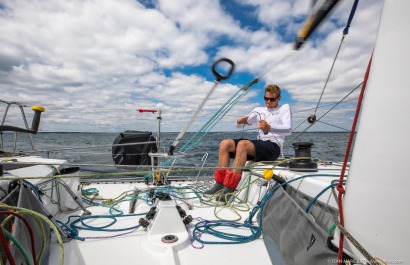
x=128, y=242
x=145, y=245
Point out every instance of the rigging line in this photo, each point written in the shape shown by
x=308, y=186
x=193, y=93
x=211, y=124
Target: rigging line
x=300, y=124
x=287, y=56
x=330, y=72
x=335, y=126
x=231, y=103
x=208, y=126
x=345, y=32
x=311, y=124
x=322, y=106
x=225, y=108
x=340, y=101
x=218, y=78
x=222, y=111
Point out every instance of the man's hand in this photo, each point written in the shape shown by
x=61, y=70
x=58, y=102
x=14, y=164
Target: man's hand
x=264, y=126
x=243, y=120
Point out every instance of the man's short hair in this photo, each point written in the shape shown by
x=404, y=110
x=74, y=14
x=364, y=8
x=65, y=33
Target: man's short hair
x=273, y=89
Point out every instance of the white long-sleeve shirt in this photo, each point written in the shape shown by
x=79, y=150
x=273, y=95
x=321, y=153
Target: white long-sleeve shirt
x=279, y=119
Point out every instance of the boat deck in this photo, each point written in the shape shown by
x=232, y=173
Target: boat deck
x=144, y=246
x=119, y=206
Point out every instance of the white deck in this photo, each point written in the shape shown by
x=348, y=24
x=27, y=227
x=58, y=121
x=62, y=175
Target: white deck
x=144, y=246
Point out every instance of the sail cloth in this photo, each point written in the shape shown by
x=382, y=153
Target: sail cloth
x=319, y=10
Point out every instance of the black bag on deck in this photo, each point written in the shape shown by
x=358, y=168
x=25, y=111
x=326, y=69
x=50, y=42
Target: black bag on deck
x=133, y=154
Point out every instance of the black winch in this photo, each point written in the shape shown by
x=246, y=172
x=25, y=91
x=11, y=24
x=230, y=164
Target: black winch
x=303, y=150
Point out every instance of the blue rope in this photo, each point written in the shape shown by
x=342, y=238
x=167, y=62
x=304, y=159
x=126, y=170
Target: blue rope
x=320, y=194
x=214, y=120
x=34, y=189
x=90, y=191
x=73, y=228
x=205, y=129
x=269, y=194
x=208, y=227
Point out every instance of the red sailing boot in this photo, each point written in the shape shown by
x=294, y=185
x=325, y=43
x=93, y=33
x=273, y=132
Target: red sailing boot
x=231, y=181
x=219, y=179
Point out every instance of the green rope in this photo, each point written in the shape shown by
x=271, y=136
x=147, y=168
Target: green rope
x=43, y=218
x=19, y=246
x=42, y=232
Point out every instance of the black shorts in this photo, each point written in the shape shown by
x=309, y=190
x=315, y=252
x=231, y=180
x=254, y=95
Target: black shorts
x=265, y=150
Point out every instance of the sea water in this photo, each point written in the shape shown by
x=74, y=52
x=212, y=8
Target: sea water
x=96, y=148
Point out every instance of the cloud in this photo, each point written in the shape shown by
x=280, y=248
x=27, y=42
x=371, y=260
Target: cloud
x=92, y=63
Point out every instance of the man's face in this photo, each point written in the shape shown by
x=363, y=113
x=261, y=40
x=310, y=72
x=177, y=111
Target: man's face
x=271, y=100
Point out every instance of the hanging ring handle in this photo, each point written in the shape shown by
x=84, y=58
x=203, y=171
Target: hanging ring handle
x=219, y=76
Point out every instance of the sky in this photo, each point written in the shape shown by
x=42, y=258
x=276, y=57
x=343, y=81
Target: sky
x=92, y=64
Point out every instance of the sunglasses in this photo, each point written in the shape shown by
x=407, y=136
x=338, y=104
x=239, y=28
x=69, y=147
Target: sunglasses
x=270, y=99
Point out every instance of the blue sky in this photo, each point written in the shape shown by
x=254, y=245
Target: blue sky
x=92, y=63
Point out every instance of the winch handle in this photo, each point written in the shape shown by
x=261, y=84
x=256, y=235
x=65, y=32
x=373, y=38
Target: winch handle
x=219, y=76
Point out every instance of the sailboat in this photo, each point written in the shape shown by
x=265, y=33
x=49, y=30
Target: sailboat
x=291, y=211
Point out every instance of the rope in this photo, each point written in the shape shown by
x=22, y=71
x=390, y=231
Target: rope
x=311, y=124
x=179, y=169
x=345, y=32
x=318, y=195
x=355, y=243
x=269, y=194
x=30, y=230
x=209, y=227
x=218, y=78
x=210, y=124
x=312, y=118
x=328, y=76
x=232, y=206
x=5, y=246
x=177, y=193
x=219, y=114
x=332, y=125
x=18, y=245
x=42, y=232
x=73, y=227
x=321, y=106
x=45, y=219
x=226, y=107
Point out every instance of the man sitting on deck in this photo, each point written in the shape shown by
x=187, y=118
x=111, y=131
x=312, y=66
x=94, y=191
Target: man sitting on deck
x=274, y=123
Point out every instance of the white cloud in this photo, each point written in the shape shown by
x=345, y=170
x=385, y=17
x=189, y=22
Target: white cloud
x=92, y=63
